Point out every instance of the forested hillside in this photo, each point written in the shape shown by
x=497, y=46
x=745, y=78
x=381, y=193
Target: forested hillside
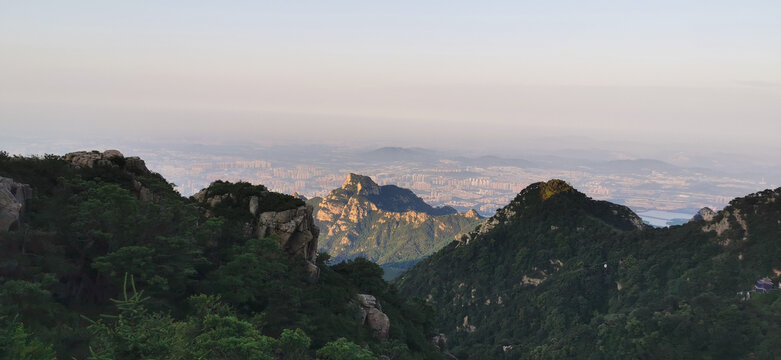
x=102, y=259
x=555, y=274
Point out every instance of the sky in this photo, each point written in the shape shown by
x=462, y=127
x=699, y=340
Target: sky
x=398, y=72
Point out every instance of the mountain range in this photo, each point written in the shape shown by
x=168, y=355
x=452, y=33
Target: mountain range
x=102, y=259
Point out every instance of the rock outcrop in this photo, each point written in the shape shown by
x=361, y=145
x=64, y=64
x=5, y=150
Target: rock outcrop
x=725, y=218
x=112, y=158
x=132, y=165
x=292, y=226
x=13, y=197
x=373, y=317
x=705, y=214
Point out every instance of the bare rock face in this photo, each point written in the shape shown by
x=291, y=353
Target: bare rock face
x=373, y=317
x=254, y=205
x=295, y=230
x=89, y=159
x=13, y=197
x=723, y=224
x=361, y=185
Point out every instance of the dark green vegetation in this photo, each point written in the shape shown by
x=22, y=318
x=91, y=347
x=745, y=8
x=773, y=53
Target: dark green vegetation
x=558, y=275
x=94, y=272
x=386, y=224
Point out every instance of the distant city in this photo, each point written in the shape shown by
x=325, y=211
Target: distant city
x=662, y=193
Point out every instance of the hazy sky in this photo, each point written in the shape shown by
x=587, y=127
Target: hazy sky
x=485, y=72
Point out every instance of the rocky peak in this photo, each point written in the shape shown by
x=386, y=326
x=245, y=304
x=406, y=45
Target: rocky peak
x=705, y=214
x=13, y=197
x=362, y=191
x=472, y=214
x=361, y=185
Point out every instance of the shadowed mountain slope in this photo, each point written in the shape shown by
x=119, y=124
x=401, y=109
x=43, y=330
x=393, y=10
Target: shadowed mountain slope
x=555, y=274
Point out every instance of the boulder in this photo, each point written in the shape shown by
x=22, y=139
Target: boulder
x=88, y=159
x=111, y=158
x=367, y=301
x=378, y=322
x=371, y=315
x=113, y=154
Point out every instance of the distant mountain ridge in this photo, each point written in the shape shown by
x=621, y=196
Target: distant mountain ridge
x=400, y=154
x=386, y=224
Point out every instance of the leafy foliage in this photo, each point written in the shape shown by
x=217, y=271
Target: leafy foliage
x=16, y=343
x=344, y=350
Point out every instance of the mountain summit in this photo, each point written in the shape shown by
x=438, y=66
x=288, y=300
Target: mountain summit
x=558, y=203
x=386, y=224
x=386, y=197
x=360, y=185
